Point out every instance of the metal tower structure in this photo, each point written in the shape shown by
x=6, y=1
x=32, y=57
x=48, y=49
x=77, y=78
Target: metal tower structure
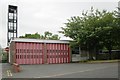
x=119, y=4
x=119, y=9
x=12, y=23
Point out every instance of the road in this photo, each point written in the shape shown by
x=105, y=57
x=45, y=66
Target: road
x=71, y=70
x=0, y=71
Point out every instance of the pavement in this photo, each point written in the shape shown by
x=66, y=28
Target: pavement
x=6, y=70
x=70, y=70
x=103, y=61
x=0, y=71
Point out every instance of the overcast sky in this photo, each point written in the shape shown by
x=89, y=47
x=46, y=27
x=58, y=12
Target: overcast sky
x=47, y=15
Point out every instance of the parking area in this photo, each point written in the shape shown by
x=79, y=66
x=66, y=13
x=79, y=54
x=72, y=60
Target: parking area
x=70, y=70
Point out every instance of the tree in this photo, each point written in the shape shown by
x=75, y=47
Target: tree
x=94, y=30
x=55, y=37
x=110, y=34
x=46, y=35
x=34, y=36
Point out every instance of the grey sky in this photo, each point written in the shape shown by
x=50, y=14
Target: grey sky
x=46, y=15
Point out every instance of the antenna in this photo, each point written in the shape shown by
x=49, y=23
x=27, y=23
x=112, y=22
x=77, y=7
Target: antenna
x=12, y=23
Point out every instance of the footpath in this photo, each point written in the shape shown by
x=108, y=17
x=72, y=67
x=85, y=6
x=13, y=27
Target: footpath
x=101, y=61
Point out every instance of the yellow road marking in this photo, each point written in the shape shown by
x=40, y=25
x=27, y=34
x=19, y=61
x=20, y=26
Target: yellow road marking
x=9, y=73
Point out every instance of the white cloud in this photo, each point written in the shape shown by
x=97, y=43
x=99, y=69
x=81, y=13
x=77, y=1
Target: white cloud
x=70, y=1
x=47, y=11
x=46, y=15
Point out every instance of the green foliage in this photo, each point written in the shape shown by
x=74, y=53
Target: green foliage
x=47, y=35
x=34, y=36
x=55, y=37
x=94, y=30
x=3, y=55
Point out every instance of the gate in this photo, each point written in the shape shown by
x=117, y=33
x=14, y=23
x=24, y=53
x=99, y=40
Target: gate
x=29, y=53
x=57, y=53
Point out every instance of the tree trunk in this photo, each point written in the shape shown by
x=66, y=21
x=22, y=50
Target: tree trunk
x=90, y=54
x=110, y=54
x=97, y=52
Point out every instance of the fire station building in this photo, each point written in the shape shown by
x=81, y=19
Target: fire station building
x=36, y=51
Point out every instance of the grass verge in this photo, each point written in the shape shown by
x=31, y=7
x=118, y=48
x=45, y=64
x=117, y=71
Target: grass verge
x=99, y=61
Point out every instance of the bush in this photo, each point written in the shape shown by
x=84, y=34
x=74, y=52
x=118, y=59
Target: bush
x=4, y=61
x=82, y=61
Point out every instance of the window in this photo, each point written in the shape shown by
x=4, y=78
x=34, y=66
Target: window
x=25, y=56
x=16, y=56
x=24, y=51
x=20, y=56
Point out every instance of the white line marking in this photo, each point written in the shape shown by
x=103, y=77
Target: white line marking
x=74, y=72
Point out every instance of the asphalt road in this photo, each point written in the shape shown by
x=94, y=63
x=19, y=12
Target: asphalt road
x=0, y=71
x=71, y=70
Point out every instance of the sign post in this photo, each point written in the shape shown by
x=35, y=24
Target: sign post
x=7, y=50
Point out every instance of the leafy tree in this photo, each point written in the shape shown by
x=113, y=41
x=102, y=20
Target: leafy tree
x=94, y=30
x=46, y=35
x=34, y=36
x=55, y=37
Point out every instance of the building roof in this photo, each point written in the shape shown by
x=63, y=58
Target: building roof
x=38, y=40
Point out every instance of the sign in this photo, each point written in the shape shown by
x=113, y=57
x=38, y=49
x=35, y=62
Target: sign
x=7, y=49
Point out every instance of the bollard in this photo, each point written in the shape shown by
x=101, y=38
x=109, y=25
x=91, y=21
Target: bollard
x=16, y=67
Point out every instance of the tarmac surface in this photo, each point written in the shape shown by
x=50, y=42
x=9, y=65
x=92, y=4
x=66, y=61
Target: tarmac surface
x=0, y=71
x=70, y=70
